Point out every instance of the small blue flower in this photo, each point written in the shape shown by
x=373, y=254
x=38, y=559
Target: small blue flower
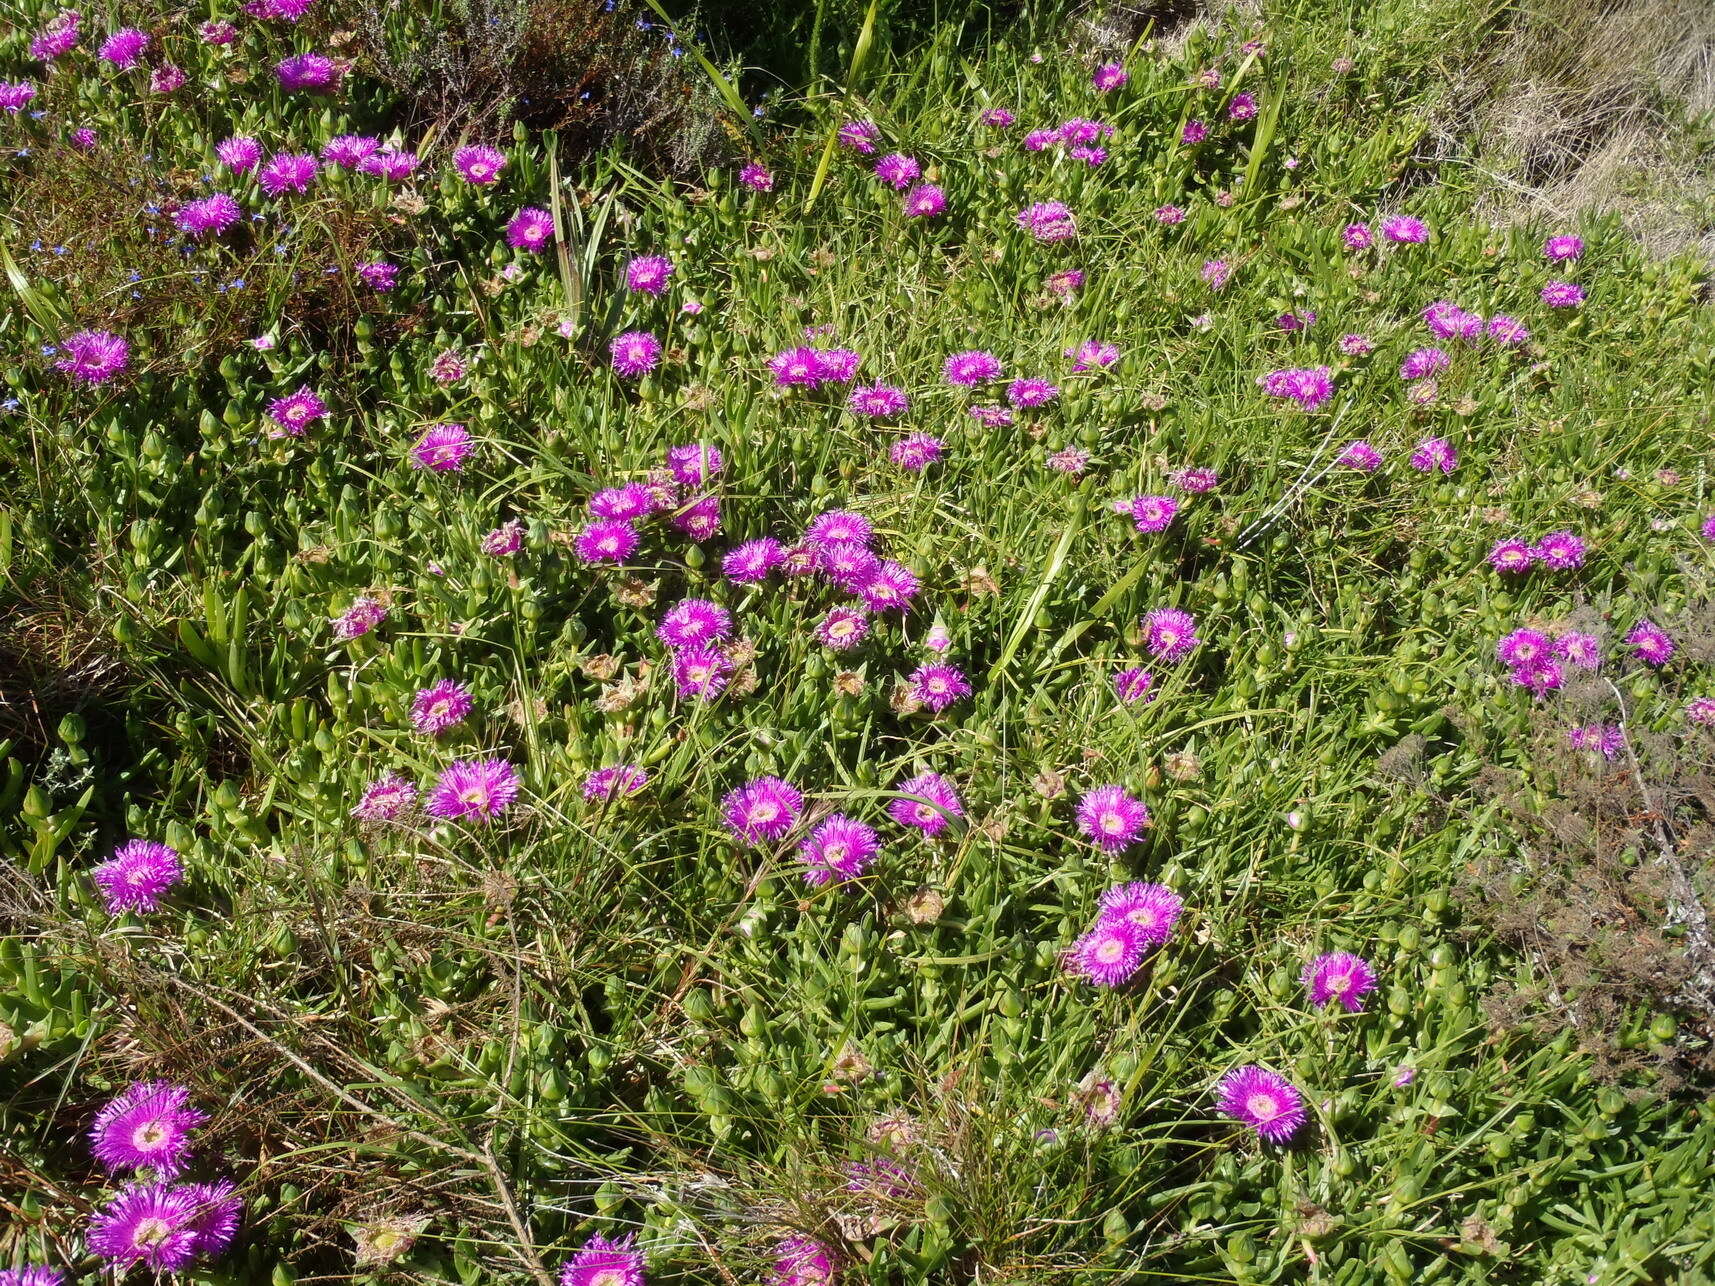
x=48, y=350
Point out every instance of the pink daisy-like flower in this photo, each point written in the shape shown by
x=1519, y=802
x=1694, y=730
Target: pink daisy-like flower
x=626, y=503
x=619, y=780
x=1265, y=1101
x=842, y=628
x=694, y=464
x=1423, y=362
x=1194, y=481
x=1132, y=685
x=607, y=541
x=1170, y=634
x=441, y=706
x=1523, y=647
x=1362, y=456
x=1402, y=229
x=287, y=172
x=1153, y=908
x=1027, y=393
x=508, y=538
x=479, y=164
x=239, y=154
x=692, y=621
x=648, y=274
x=796, y=367
x=890, y=587
x=389, y=163
x=532, y=229
x=1432, y=454
x=1048, y=221
x=309, y=73
x=1339, y=976
x=926, y=802
x=1195, y=132
x=701, y=670
x=1701, y=711
x=1065, y=283
x=137, y=876
x=147, y=1126
x=1242, y=108
x=898, y=170
x=752, y=561
x=1109, y=76
x=217, y=1210
x=1357, y=236
x=1509, y=332
x=925, y=201
x=1170, y=215
x=600, y=1262
x=1563, y=249
x=348, y=151
x=1708, y=528
x=971, y=368
x=802, y=1261
x=297, y=411
x=938, y=685
x=916, y=452
x=154, y=1225
x=839, y=849
x=123, y=48
x=1579, y=649
x=1355, y=345
x=1562, y=294
x=476, y=790
x=442, y=448
x=701, y=519
x=1650, y=643
x=1109, y=954
x=1561, y=550
x=762, y=810
x=1111, y=819
x=360, y=618
x=635, y=353
x=860, y=136
x=1092, y=355
x=386, y=799
x=1512, y=556
x=877, y=400
x=1310, y=386
x=838, y=527
x=1151, y=514
x=93, y=356
x=997, y=117
x=756, y=177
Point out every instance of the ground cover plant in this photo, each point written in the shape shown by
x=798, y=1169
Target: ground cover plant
x=1054, y=661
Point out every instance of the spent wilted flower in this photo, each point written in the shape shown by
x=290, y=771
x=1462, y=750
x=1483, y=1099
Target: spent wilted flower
x=146, y=1126
x=1339, y=976
x=1265, y=1101
x=1111, y=819
x=137, y=876
x=387, y=1238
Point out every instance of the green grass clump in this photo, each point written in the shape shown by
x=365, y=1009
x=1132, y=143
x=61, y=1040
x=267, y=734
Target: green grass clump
x=444, y=1050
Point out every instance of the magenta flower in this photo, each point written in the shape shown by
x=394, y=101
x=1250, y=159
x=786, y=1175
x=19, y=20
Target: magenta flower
x=1701, y=711
x=1579, y=649
x=213, y=213
x=476, y=790
x=1132, y=685
x=1263, y=1100
x=1507, y=331
x=1563, y=249
x=1048, y=221
x=802, y=1261
x=635, y=353
x=1153, y=908
x=1339, y=976
x=837, y=365
x=1362, y=456
x=847, y=563
x=348, y=151
x=1241, y=108
x=1065, y=283
x=622, y=780
x=762, y=810
x=1038, y=140
x=1356, y=345
x=860, y=136
x=692, y=621
x=992, y=417
x=154, y=1225
x=925, y=201
x=137, y=876
x=147, y=1126
x=1561, y=550
x=1109, y=954
x=838, y=527
x=218, y=1208
x=607, y=541
x=889, y=587
x=93, y=356
x=1422, y=362
x=1170, y=634
x=240, y=154
x=898, y=170
x=1151, y=514
x=626, y=503
x=971, y=368
x=842, y=628
x=695, y=463
x=1562, y=294
x=1171, y=215
x=217, y=33
x=1092, y=355
x=801, y=367
x=926, y=802
x=877, y=401
x=752, y=561
x=998, y=117
x=648, y=274
x=1522, y=648
x=1195, y=132
x=297, y=411
x=1708, y=528
x=443, y=448
x=701, y=670
x=360, y=618
x=311, y=73
x=479, y=164
x=1357, y=236
x=1607, y=739
x=1194, y=481
x=287, y=172
x=600, y=1262
x=32, y=1274
x=756, y=177
x=57, y=38
x=1111, y=819
x=1310, y=387
x=916, y=452
x=701, y=519
x=1446, y=320
x=1402, y=229
x=1514, y=557
x=1026, y=393
x=123, y=48
x=839, y=849
x=389, y=163
x=1109, y=76
x=386, y=799
x=380, y=276
x=1650, y=643
x=440, y=707
x=938, y=685
x=532, y=229
x=1432, y=454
